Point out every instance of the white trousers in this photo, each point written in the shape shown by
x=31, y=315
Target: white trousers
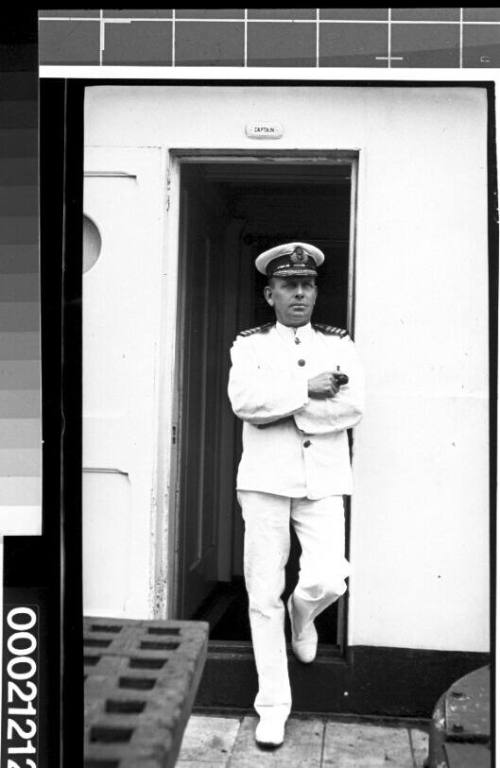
x=319, y=526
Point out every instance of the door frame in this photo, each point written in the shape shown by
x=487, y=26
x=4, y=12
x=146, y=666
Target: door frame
x=170, y=410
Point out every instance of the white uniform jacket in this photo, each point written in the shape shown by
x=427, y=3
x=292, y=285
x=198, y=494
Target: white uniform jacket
x=294, y=445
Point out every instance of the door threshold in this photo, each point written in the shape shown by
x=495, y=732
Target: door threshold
x=422, y=723
x=244, y=648
x=367, y=681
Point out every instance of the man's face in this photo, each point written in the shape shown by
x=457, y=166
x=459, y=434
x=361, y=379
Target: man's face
x=292, y=299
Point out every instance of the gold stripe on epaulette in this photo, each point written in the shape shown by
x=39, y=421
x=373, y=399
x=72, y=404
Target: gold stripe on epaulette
x=331, y=330
x=259, y=329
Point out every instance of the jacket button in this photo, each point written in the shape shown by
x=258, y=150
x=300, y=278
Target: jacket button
x=307, y=444
x=301, y=362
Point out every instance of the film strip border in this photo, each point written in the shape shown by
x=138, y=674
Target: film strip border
x=20, y=365
x=25, y=708
x=26, y=560
x=30, y=707
x=274, y=37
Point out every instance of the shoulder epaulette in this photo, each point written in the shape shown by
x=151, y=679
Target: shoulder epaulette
x=259, y=329
x=331, y=330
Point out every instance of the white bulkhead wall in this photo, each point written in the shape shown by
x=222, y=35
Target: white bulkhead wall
x=123, y=197
x=420, y=511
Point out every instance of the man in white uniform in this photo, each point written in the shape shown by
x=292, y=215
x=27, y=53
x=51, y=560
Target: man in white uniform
x=297, y=387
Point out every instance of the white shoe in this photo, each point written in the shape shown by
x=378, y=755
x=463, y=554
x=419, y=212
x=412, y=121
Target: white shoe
x=304, y=646
x=270, y=732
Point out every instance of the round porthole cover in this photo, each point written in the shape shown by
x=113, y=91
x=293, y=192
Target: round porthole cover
x=92, y=243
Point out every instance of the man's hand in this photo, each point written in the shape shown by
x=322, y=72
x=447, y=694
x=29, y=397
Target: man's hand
x=324, y=385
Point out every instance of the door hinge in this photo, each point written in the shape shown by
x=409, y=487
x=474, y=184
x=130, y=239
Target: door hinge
x=169, y=185
x=174, y=435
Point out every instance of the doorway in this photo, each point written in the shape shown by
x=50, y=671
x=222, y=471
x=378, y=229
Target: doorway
x=231, y=209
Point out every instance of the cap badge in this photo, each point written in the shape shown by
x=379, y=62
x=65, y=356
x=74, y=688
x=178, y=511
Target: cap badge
x=298, y=256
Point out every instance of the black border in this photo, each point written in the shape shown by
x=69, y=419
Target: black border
x=60, y=242
x=493, y=266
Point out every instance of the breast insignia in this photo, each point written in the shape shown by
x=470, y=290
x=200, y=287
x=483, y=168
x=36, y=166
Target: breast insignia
x=259, y=329
x=331, y=330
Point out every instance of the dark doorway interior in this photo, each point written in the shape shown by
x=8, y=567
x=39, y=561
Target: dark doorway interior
x=230, y=212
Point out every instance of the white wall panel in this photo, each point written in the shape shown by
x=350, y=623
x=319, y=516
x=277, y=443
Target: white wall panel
x=121, y=311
